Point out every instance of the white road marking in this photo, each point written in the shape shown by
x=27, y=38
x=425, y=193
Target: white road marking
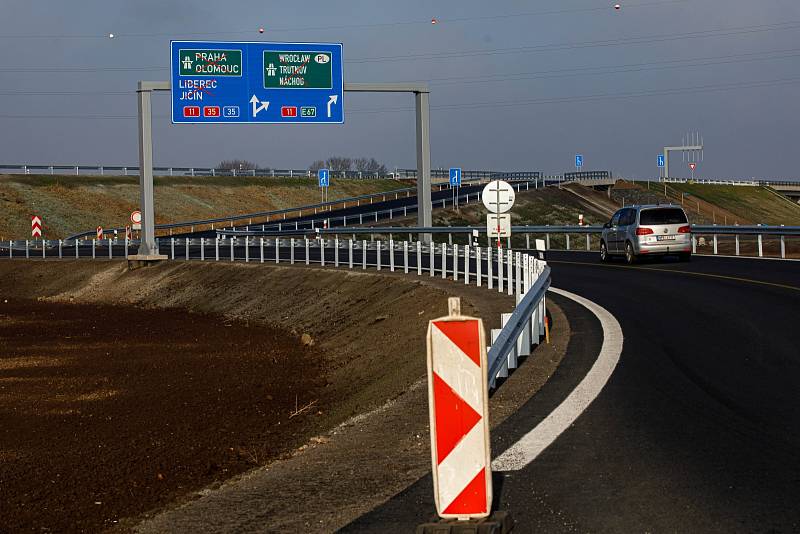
x=532, y=444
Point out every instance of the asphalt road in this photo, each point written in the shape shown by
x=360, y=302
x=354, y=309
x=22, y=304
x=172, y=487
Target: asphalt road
x=698, y=429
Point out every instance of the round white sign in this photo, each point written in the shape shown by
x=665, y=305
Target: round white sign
x=498, y=196
x=136, y=217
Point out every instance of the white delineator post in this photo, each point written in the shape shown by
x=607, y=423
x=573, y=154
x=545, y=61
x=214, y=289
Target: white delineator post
x=458, y=396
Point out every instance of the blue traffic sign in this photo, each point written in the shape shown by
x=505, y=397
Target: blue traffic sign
x=239, y=82
x=455, y=177
x=578, y=160
x=324, y=177
x=661, y=160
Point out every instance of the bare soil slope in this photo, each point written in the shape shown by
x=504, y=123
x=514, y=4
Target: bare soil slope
x=130, y=389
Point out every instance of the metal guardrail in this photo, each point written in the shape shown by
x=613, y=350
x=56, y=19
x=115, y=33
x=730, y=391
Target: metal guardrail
x=749, y=183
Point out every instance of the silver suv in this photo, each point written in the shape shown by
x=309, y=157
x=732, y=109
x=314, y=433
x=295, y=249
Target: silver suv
x=647, y=231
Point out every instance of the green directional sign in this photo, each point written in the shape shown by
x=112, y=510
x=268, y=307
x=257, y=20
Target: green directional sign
x=210, y=62
x=297, y=70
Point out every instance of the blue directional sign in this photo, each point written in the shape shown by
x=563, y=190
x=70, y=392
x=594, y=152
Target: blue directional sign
x=661, y=160
x=236, y=82
x=324, y=177
x=455, y=177
x=578, y=160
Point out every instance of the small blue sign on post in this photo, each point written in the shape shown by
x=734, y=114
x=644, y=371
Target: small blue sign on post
x=661, y=160
x=455, y=177
x=243, y=82
x=324, y=177
x=578, y=160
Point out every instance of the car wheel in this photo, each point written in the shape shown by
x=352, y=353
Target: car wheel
x=603, y=252
x=630, y=257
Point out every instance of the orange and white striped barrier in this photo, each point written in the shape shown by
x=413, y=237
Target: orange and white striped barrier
x=458, y=405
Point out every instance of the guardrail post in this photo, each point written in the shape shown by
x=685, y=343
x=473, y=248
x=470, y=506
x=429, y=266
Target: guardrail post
x=512, y=359
x=444, y=260
x=231, y=242
x=187, y=242
x=405, y=257
x=291, y=251
x=307, y=246
x=503, y=372
x=489, y=269
x=364, y=254
x=449, y=239
x=478, y=266
x=760, y=246
x=391, y=254
x=715, y=244
x=360, y=218
x=455, y=263
x=378, y=250
x=466, y=264
x=588, y=243
x=349, y=253
x=60, y=249
x=202, y=249
x=567, y=236
x=737, y=244
x=27, y=249
x=528, y=241
x=499, y=270
x=432, y=253
x=510, y=277
x=277, y=249
x=44, y=249
x=419, y=258
x=517, y=273
x=171, y=247
x=261, y=249
x=547, y=241
x=322, y=250
x=77, y=251
x=336, y=251
x=216, y=248
x=783, y=247
x=694, y=244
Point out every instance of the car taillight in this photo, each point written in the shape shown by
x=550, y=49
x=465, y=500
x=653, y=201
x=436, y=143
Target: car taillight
x=685, y=229
x=644, y=231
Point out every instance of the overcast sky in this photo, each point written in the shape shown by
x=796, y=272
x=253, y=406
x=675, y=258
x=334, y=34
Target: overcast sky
x=515, y=85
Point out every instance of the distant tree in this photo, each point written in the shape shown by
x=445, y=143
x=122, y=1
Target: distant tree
x=237, y=165
x=317, y=165
x=338, y=163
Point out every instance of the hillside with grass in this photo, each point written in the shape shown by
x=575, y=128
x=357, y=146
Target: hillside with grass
x=757, y=204
x=69, y=204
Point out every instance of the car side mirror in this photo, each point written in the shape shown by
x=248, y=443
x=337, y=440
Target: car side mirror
x=607, y=225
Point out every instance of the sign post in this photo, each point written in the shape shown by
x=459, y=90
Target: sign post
x=455, y=184
x=458, y=407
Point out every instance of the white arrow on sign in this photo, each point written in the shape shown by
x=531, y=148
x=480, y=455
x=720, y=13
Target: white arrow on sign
x=258, y=105
x=334, y=99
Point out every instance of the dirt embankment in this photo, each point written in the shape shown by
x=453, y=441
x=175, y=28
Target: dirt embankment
x=123, y=391
x=70, y=204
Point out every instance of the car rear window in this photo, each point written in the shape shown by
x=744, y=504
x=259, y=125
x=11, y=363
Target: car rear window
x=662, y=216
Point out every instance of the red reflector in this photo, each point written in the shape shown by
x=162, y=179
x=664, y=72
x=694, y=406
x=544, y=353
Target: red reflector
x=644, y=231
x=685, y=229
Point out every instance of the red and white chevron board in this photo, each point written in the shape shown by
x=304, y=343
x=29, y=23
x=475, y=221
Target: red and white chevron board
x=458, y=405
x=99, y=233
x=36, y=226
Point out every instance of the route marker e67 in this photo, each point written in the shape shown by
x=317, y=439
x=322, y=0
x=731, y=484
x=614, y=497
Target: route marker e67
x=256, y=82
